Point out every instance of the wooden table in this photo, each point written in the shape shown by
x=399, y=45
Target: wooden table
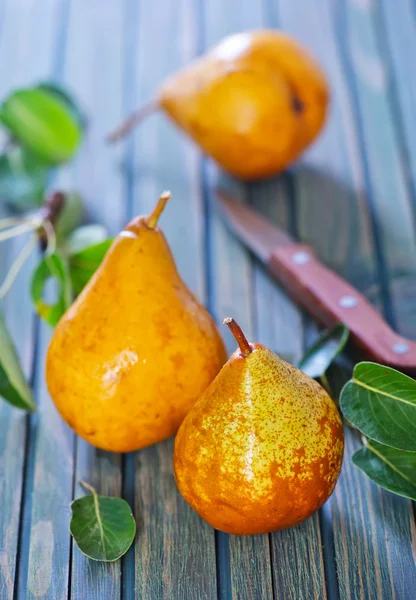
x=352, y=196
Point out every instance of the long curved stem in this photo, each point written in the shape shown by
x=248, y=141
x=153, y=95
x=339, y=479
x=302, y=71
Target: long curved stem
x=245, y=348
x=87, y=486
x=10, y=221
x=12, y=232
x=42, y=223
x=131, y=121
x=17, y=265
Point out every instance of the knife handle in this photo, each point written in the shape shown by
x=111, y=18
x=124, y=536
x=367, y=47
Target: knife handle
x=331, y=300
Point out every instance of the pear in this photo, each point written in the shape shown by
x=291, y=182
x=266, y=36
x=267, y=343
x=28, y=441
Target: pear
x=253, y=103
x=136, y=349
x=262, y=448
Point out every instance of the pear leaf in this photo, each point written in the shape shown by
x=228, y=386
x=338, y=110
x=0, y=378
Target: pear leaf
x=63, y=96
x=42, y=124
x=56, y=267
x=320, y=355
x=381, y=403
x=85, y=236
x=22, y=179
x=84, y=263
x=102, y=527
x=13, y=386
x=392, y=469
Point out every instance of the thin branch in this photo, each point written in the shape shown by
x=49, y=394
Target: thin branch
x=10, y=221
x=31, y=225
x=17, y=265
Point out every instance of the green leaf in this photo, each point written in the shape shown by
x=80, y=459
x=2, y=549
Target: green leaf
x=65, y=97
x=102, y=527
x=320, y=355
x=13, y=386
x=381, y=402
x=22, y=179
x=83, y=265
x=392, y=469
x=70, y=217
x=42, y=123
x=52, y=266
x=85, y=236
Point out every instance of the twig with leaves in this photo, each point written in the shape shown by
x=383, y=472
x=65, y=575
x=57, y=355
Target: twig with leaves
x=44, y=127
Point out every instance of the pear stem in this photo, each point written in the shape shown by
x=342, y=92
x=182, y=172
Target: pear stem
x=152, y=220
x=235, y=329
x=88, y=487
x=132, y=120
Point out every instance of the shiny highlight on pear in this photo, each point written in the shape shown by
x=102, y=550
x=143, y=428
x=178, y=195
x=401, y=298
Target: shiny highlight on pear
x=262, y=448
x=253, y=103
x=136, y=349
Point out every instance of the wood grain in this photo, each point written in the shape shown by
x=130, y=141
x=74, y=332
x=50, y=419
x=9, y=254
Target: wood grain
x=231, y=279
x=13, y=426
x=395, y=31
x=50, y=489
x=388, y=187
x=175, y=549
x=298, y=562
x=351, y=197
x=20, y=31
x=297, y=557
x=175, y=552
x=45, y=543
x=360, y=547
x=89, y=53
x=385, y=176
x=395, y=28
x=279, y=322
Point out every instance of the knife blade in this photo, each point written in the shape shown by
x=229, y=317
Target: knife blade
x=320, y=291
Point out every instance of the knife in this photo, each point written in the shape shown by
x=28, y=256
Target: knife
x=320, y=291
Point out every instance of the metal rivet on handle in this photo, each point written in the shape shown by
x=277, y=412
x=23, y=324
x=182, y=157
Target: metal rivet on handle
x=400, y=348
x=300, y=258
x=348, y=302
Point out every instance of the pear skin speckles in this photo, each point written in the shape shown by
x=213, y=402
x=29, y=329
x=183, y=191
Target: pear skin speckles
x=136, y=348
x=262, y=448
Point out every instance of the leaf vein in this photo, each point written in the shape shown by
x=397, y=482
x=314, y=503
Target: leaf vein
x=381, y=392
x=390, y=464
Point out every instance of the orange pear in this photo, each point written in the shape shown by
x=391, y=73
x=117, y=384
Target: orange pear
x=262, y=448
x=253, y=103
x=136, y=349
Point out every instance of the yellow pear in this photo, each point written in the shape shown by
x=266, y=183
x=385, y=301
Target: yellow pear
x=254, y=102
x=136, y=349
x=262, y=448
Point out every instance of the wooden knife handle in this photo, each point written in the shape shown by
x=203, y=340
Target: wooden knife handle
x=331, y=300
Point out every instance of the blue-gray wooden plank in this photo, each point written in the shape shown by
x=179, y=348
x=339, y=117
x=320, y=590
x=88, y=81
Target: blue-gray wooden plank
x=175, y=549
x=338, y=189
x=13, y=422
x=21, y=31
x=387, y=192
x=92, y=69
x=367, y=563
x=244, y=567
x=390, y=194
x=44, y=544
x=263, y=310
x=396, y=28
